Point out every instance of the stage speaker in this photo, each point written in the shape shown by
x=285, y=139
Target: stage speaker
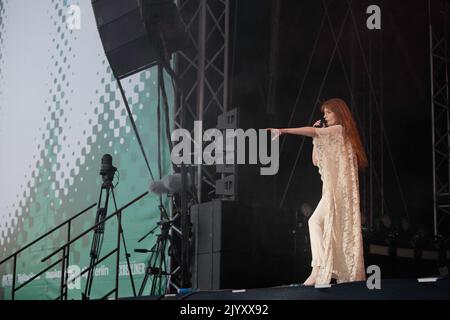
x=243, y=182
x=136, y=34
x=222, y=248
x=238, y=246
x=236, y=179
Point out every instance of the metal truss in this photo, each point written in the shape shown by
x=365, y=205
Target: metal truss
x=439, y=38
x=201, y=69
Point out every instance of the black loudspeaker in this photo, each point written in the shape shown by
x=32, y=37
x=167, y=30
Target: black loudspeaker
x=137, y=34
x=222, y=248
x=243, y=182
x=237, y=246
x=235, y=184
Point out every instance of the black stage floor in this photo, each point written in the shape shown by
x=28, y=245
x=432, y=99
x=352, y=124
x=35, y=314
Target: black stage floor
x=391, y=289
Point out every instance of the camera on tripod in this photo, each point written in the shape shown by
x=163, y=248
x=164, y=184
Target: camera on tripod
x=107, y=170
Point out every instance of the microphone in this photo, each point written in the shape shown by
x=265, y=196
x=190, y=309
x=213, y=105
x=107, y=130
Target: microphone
x=142, y=250
x=169, y=184
x=158, y=187
x=322, y=123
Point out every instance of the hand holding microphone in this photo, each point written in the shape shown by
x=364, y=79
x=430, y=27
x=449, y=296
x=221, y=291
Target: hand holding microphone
x=319, y=123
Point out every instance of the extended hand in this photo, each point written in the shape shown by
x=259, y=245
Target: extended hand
x=275, y=132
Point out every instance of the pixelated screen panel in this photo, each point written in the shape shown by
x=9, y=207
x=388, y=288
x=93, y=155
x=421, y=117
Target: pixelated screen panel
x=60, y=112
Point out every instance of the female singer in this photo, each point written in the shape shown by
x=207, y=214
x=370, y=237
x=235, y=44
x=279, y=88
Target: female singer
x=335, y=226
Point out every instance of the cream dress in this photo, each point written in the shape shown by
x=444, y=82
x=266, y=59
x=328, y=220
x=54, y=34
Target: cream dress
x=339, y=209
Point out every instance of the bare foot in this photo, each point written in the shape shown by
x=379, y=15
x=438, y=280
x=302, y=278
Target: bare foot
x=312, y=277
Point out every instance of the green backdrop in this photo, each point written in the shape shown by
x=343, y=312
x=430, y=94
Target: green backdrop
x=60, y=112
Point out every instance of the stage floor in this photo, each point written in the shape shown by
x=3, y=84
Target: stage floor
x=391, y=289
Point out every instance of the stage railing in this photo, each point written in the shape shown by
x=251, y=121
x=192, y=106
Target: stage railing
x=64, y=260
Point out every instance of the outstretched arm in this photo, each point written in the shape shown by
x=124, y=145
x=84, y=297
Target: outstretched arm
x=310, y=131
x=303, y=131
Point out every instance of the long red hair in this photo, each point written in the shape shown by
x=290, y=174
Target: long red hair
x=344, y=117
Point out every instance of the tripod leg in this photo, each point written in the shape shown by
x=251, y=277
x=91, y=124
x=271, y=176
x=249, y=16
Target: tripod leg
x=97, y=241
x=94, y=249
x=158, y=278
x=148, y=268
x=127, y=255
x=157, y=265
x=144, y=282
